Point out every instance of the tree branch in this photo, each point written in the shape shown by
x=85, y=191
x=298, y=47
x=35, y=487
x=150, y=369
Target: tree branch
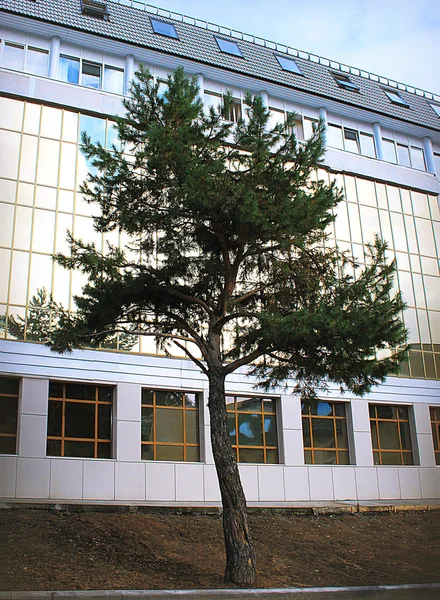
x=244, y=360
x=192, y=357
x=190, y=299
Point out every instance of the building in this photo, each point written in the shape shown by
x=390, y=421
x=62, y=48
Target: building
x=126, y=424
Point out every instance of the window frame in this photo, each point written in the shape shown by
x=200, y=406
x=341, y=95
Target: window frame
x=434, y=414
x=395, y=98
x=96, y=402
x=11, y=396
x=231, y=44
x=103, y=67
x=171, y=26
x=336, y=449
x=344, y=81
x=379, y=452
x=435, y=108
x=236, y=446
x=288, y=64
x=155, y=443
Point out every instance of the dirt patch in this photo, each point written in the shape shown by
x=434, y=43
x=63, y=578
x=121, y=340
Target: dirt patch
x=40, y=550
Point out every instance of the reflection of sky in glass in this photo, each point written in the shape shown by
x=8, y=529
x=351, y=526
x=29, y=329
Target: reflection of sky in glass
x=94, y=127
x=68, y=69
x=324, y=409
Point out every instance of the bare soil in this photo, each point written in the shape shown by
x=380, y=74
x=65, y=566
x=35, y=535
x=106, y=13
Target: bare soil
x=42, y=550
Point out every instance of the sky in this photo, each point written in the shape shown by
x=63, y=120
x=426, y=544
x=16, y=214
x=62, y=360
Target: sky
x=398, y=39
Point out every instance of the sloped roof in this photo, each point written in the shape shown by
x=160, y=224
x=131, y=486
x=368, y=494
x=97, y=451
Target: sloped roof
x=133, y=25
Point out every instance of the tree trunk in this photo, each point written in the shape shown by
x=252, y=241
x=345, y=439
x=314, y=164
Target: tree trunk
x=240, y=556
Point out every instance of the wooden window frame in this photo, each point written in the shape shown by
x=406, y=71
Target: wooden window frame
x=434, y=412
x=17, y=397
x=96, y=403
x=231, y=407
x=383, y=451
x=334, y=418
x=185, y=409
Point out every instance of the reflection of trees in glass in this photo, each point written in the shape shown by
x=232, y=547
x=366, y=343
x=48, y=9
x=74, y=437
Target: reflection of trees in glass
x=42, y=314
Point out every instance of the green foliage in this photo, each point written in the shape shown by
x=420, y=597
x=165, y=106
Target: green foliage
x=228, y=241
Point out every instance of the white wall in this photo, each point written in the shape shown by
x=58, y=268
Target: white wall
x=32, y=475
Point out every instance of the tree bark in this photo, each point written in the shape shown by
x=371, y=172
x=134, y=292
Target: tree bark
x=240, y=556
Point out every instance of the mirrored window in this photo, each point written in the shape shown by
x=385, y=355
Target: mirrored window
x=91, y=75
x=113, y=80
x=9, y=390
x=325, y=433
x=68, y=69
x=37, y=61
x=390, y=435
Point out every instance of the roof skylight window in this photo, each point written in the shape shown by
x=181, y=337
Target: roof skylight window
x=94, y=8
x=396, y=98
x=436, y=108
x=228, y=47
x=345, y=82
x=288, y=64
x=164, y=28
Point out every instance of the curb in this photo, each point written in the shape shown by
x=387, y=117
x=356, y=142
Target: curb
x=397, y=592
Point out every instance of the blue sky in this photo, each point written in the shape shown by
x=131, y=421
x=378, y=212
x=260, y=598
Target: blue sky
x=399, y=39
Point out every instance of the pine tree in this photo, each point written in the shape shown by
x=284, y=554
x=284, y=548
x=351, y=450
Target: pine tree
x=229, y=254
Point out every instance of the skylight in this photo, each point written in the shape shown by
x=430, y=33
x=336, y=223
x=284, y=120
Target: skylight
x=396, y=98
x=163, y=28
x=436, y=108
x=288, y=64
x=345, y=82
x=228, y=47
x=94, y=8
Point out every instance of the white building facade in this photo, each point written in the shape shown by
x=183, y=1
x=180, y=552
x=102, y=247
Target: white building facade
x=126, y=424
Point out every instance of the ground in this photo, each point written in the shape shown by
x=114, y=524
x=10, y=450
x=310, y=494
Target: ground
x=43, y=550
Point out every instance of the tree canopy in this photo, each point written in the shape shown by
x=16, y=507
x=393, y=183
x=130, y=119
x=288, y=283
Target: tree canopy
x=229, y=259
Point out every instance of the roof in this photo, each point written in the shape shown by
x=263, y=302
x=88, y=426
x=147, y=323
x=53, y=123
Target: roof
x=197, y=42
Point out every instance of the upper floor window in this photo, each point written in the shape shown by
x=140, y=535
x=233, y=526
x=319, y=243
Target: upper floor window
x=25, y=58
x=403, y=154
x=164, y=28
x=90, y=74
x=351, y=140
x=228, y=47
x=325, y=433
x=170, y=425
x=396, y=98
x=345, y=82
x=253, y=429
x=79, y=421
x=435, y=424
x=9, y=390
x=288, y=64
x=390, y=435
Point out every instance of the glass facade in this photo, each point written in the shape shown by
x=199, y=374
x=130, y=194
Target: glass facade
x=39, y=201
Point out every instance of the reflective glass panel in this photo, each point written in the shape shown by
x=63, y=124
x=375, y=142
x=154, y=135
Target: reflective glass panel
x=113, y=80
x=37, y=61
x=367, y=145
x=164, y=28
x=169, y=425
x=250, y=431
x=418, y=159
x=288, y=64
x=80, y=420
x=13, y=56
x=68, y=69
x=334, y=137
x=169, y=452
x=351, y=141
x=389, y=151
x=403, y=154
x=228, y=46
x=91, y=75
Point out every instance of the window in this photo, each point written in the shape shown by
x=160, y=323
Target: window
x=13, y=57
x=435, y=424
x=308, y=125
x=437, y=164
x=253, y=429
x=170, y=425
x=68, y=69
x=164, y=28
x=235, y=111
x=228, y=47
x=37, y=61
x=396, y=98
x=351, y=140
x=403, y=155
x=79, y=421
x=390, y=435
x=288, y=64
x=368, y=147
x=417, y=158
x=325, y=433
x=345, y=82
x=389, y=151
x=9, y=390
x=91, y=75
x=436, y=108
x=113, y=80
x=94, y=8
x=334, y=136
